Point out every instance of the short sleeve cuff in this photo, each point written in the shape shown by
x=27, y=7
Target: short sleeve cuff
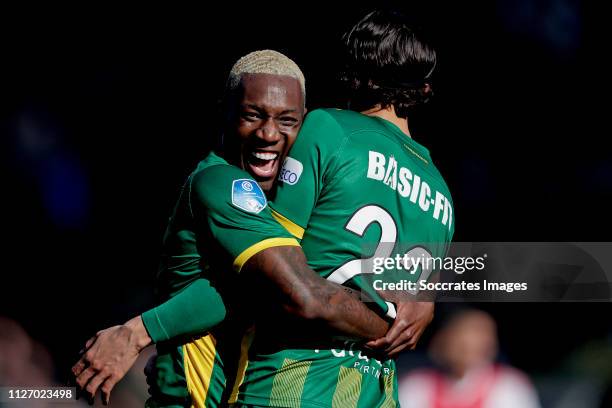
x=260, y=246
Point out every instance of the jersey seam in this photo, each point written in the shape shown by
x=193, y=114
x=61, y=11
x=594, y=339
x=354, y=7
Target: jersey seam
x=189, y=196
x=343, y=143
x=161, y=326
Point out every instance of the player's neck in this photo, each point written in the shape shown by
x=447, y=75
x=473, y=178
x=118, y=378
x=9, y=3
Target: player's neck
x=389, y=114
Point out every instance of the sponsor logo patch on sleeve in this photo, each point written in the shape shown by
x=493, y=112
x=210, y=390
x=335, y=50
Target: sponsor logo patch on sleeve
x=291, y=171
x=248, y=196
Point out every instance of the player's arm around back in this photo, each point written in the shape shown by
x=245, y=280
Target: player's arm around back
x=303, y=293
x=236, y=211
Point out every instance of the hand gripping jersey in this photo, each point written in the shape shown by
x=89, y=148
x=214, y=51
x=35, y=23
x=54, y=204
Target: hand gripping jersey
x=221, y=219
x=353, y=187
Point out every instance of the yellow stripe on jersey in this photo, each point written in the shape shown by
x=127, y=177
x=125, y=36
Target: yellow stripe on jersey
x=389, y=400
x=348, y=388
x=243, y=363
x=289, y=225
x=288, y=384
x=199, y=360
x=415, y=153
x=260, y=246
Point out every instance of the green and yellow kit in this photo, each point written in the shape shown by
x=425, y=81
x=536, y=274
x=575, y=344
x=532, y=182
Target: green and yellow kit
x=221, y=219
x=353, y=187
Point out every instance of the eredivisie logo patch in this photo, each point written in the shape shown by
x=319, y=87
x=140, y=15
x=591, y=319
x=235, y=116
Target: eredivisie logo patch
x=248, y=196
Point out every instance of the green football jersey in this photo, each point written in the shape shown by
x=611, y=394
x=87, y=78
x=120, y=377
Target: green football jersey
x=221, y=219
x=353, y=187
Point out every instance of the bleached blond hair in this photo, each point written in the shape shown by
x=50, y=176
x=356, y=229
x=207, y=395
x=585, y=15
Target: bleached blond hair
x=265, y=62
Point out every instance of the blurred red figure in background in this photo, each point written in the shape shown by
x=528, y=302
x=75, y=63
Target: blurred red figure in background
x=465, y=349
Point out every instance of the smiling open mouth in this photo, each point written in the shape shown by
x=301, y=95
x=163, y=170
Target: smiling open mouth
x=262, y=164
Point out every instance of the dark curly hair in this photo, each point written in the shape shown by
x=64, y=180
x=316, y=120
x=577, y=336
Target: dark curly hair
x=386, y=63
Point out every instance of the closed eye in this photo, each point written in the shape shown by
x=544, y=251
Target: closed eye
x=288, y=120
x=251, y=116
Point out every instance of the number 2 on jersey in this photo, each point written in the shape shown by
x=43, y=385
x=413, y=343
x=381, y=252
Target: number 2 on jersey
x=359, y=222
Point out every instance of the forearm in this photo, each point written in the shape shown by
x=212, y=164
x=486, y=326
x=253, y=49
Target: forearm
x=197, y=308
x=304, y=294
x=341, y=309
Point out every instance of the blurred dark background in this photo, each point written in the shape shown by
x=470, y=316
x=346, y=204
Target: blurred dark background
x=104, y=110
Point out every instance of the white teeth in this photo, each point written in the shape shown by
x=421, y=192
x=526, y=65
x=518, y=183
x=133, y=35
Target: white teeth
x=265, y=156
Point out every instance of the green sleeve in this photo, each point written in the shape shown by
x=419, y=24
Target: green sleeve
x=236, y=213
x=307, y=169
x=197, y=308
x=224, y=201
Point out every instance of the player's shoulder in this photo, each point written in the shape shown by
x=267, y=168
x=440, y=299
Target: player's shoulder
x=347, y=120
x=331, y=128
x=215, y=177
x=215, y=169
